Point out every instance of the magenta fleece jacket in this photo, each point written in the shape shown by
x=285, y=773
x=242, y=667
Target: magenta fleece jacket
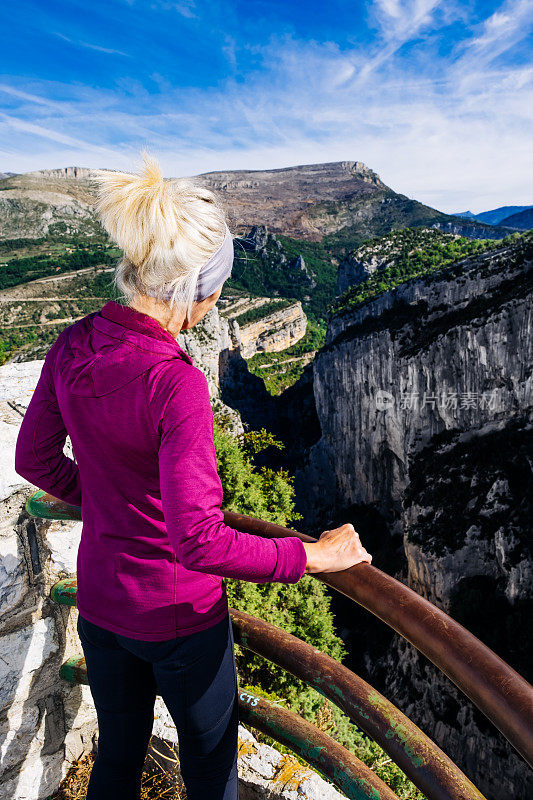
x=154, y=547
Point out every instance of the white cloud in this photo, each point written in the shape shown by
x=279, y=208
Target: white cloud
x=402, y=20
x=455, y=136
x=399, y=22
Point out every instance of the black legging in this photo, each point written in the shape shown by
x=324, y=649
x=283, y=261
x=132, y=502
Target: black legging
x=196, y=677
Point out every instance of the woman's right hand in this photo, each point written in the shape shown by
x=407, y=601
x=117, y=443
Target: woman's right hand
x=336, y=550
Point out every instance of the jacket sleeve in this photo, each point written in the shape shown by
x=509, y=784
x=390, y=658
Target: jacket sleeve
x=191, y=494
x=39, y=456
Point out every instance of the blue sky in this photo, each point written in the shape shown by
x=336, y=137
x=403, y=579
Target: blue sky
x=437, y=97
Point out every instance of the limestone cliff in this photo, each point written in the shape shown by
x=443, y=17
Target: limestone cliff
x=275, y=331
x=424, y=398
x=447, y=352
x=472, y=231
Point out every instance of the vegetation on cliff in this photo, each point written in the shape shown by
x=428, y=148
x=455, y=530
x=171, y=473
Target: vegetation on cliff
x=260, y=312
x=271, y=271
x=282, y=369
x=406, y=254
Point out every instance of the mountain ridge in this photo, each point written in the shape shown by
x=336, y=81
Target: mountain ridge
x=306, y=201
x=495, y=216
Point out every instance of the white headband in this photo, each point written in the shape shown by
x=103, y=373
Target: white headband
x=213, y=273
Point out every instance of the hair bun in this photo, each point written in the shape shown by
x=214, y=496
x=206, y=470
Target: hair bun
x=150, y=173
x=166, y=229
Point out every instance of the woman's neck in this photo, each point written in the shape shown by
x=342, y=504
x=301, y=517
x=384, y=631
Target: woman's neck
x=171, y=319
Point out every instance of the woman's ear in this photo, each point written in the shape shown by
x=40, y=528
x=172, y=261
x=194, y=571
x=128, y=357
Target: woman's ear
x=200, y=309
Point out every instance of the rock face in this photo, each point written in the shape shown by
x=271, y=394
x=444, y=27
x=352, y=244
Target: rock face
x=424, y=398
x=214, y=345
x=78, y=173
x=260, y=240
x=274, y=332
x=353, y=270
x=467, y=520
x=263, y=771
x=440, y=353
x=470, y=231
x=45, y=724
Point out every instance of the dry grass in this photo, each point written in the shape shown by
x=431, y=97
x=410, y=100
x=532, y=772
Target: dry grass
x=157, y=783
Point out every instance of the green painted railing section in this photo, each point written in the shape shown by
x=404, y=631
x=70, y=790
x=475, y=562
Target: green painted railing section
x=330, y=758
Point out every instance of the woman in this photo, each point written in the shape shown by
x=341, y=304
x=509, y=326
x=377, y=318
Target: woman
x=153, y=614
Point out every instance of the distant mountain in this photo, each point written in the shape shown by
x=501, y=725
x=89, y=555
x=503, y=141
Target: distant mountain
x=497, y=215
x=466, y=214
x=6, y=175
x=51, y=202
x=523, y=220
x=342, y=199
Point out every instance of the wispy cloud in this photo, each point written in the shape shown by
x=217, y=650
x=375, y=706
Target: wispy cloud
x=78, y=43
x=42, y=132
x=401, y=20
x=453, y=130
x=187, y=8
x=507, y=26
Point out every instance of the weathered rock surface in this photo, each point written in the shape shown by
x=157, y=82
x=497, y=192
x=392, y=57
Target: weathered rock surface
x=274, y=332
x=278, y=329
x=353, y=270
x=44, y=723
x=470, y=231
x=424, y=399
x=264, y=773
x=435, y=354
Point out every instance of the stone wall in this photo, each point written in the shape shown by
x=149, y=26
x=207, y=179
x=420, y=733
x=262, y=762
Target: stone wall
x=45, y=724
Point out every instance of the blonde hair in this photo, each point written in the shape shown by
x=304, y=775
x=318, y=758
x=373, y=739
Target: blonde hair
x=167, y=229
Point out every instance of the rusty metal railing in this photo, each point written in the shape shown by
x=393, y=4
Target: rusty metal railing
x=498, y=691
x=344, y=769
x=421, y=760
x=503, y=695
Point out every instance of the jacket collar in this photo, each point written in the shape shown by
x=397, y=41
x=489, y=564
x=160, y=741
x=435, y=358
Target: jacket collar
x=132, y=320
